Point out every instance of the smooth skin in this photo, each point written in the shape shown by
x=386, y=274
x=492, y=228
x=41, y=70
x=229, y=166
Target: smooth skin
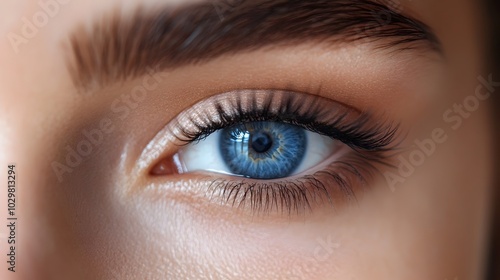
x=101, y=221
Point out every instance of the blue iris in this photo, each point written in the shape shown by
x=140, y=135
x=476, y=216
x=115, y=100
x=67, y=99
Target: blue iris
x=263, y=150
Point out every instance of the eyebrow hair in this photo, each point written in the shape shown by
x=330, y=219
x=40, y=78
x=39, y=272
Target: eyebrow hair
x=119, y=47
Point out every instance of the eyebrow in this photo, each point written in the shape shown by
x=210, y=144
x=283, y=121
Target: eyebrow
x=120, y=47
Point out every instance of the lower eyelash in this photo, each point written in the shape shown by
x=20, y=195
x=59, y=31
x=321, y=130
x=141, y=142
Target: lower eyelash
x=295, y=196
x=371, y=141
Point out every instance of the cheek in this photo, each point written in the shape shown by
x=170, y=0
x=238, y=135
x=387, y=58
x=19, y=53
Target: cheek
x=425, y=222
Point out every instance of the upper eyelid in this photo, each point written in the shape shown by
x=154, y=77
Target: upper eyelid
x=165, y=145
x=237, y=102
x=167, y=38
x=166, y=141
x=312, y=112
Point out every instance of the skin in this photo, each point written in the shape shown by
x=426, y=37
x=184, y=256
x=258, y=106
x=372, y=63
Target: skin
x=108, y=220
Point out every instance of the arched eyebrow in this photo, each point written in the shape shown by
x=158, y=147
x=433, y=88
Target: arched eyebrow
x=119, y=47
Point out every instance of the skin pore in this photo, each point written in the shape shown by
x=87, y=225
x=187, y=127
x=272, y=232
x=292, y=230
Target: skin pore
x=106, y=217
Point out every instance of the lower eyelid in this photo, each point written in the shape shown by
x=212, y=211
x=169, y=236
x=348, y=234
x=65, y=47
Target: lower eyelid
x=334, y=181
x=330, y=185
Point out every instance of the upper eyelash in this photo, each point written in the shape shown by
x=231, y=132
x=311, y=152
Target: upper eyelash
x=370, y=140
x=357, y=134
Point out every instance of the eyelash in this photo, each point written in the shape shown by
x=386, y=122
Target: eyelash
x=371, y=145
x=356, y=134
x=295, y=196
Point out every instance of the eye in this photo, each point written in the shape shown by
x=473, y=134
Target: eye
x=259, y=150
x=275, y=150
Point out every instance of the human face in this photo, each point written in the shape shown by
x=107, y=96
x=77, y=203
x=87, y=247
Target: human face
x=102, y=101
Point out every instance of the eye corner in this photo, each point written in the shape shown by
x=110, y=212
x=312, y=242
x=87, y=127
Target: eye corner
x=170, y=165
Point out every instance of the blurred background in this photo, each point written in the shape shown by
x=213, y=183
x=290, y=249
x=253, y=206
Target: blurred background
x=493, y=14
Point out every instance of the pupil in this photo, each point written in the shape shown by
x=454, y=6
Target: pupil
x=261, y=142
